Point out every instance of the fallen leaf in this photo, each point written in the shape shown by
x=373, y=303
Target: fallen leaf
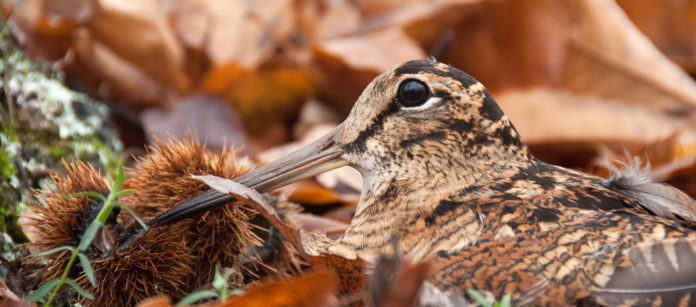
x=9, y=299
x=314, y=288
x=309, y=192
x=100, y=67
x=544, y=115
x=327, y=19
x=207, y=117
x=44, y=27
x=246, y=33
x=157, y=301
x=310, y=223
x=347, y=176
x=145, y=38
x=395, y=282
x=348, y=64
x=274, y=95
x=609, y=57
x=30, y=230
x=656, y=19
x=258, y=202
x=220, y=79
x=351, y=273
x=342, y=213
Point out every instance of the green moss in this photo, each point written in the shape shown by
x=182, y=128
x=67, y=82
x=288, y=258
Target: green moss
x=48, y=123
x=7, y=170
x=8, y=224
x=57, y=153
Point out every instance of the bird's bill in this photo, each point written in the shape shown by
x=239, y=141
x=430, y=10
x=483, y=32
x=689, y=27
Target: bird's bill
x=320, y=156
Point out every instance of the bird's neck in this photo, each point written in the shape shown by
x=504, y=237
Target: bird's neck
x=399, y=207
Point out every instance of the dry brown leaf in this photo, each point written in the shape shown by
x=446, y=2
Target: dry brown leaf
x=501, y=43
x=350, y=272
x=395, y=282
x=314, y=114
x=589, y=47
x=669, y=24
x=375, y=51
x=30, y=231
x=348, y=64
x=544, y=115
x=141, y=62
x=315, y=288
x=245, y=33
x=327, y=19
x=375, y=7
x=100, y=67
x=609, y=57
x=342, y=213
x=309, y=192
x=144, y=38
x=568, y=129
x=9, y=299
x=311, y=223
x=221, y=78
x=207, y=117
x=157, y=301
x=257, y=202
x=274, y=95
x=43, y=27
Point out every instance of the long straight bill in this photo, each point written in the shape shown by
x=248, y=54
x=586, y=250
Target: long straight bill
x=320, y=156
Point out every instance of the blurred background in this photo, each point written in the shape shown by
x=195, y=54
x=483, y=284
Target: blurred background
x=582, y=80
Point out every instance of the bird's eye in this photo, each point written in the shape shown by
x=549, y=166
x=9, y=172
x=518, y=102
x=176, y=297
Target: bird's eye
x=413, y=93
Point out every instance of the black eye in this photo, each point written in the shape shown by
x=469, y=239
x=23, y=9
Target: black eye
x=413, y=93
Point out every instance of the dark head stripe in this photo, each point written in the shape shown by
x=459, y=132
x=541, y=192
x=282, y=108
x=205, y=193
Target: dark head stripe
x=490, y=108
x=428, y=66
x=378, y=122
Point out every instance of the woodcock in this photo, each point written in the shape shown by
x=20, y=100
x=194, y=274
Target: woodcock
x=446, y=173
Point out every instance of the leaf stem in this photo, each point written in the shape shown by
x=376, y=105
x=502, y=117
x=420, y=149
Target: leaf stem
x=73, y=255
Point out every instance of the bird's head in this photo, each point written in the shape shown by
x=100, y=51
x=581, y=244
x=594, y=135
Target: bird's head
x=418, y=120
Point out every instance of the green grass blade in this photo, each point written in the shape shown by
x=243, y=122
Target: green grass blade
x=196, y=296
x=107, y=233
x=507, y=300
x=81, y=291
x=125, y=192
x=89, y=235
x=122, y=206
x=478, y=298
x=219, y=281
x=120, y=178
x=51, y=251
x=39, y=293
x=87, y=268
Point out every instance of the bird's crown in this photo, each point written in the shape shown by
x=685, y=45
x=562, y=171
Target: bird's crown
x=426, y=110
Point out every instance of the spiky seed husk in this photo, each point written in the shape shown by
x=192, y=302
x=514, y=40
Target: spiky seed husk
x=61, y=221
x=159, y=262
x=223, y=235
x=174, y=259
